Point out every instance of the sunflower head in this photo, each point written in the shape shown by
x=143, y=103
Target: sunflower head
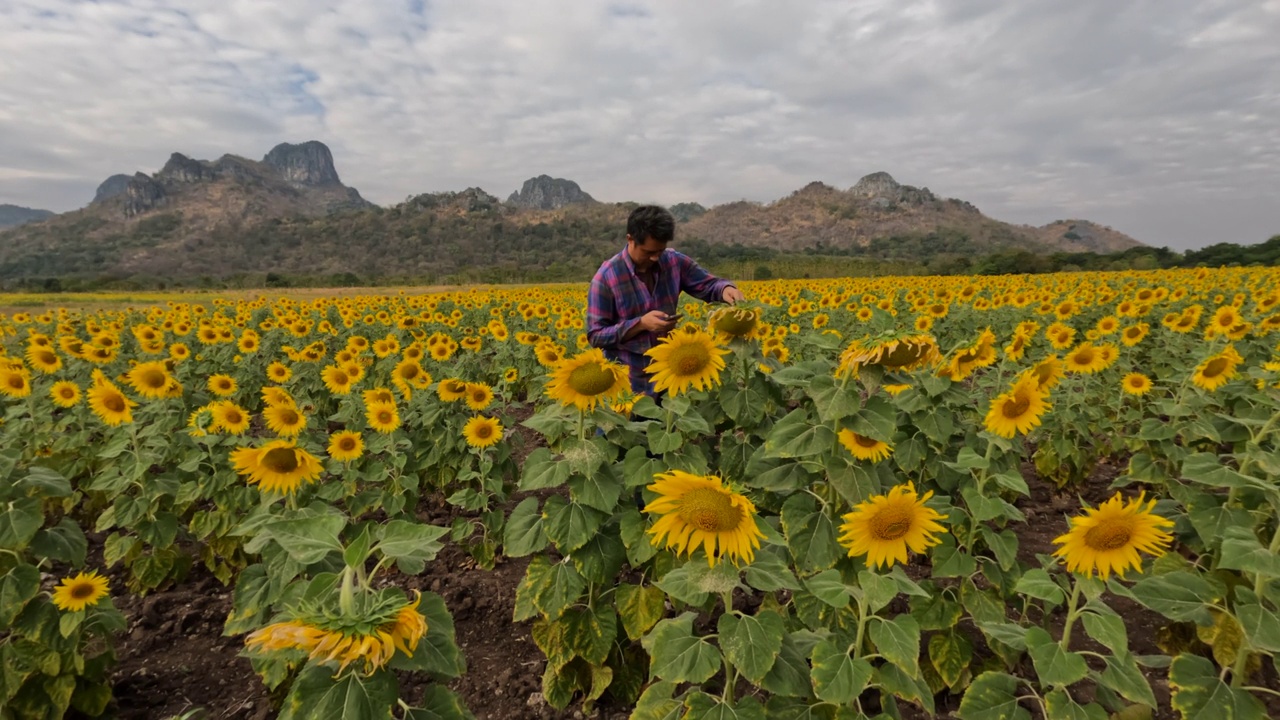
x=586, y=379
x=684, y=360
x=482, y=432
x=895, y=351
x=277, y=467
x=735, y=323
x=1110, y=537
x=695, y=510
x=74, y=594
x=884, y=527
x=1018, y=410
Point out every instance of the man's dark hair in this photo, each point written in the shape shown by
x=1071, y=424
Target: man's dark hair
x=651, y=221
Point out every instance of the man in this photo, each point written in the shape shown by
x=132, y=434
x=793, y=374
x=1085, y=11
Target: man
x=634, y=296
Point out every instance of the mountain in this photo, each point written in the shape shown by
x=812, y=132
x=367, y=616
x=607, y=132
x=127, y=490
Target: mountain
x=14, y=215
x=547, y=193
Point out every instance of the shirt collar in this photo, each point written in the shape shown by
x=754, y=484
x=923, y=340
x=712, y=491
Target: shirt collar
x=631, y=265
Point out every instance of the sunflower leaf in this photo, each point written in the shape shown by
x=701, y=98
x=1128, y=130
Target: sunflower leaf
x=1054, y=665
x=837, y=676
x=1199, y=694
x=307, y=539
x=991, y=697
x=524, y=534
x=570, y=524
x=317, y=695
x=795, y=435
x=677, y=655
x=752, y=643
x=1177, y=596
x=898, y=640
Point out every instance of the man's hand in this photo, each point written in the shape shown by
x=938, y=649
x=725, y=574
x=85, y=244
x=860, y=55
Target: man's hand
x=732, y=295
x=655, y=321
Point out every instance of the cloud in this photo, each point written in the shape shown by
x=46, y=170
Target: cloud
x=1155, y=117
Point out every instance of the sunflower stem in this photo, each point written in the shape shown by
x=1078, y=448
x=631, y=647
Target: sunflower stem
x=1072, y=614
x=862, y=625
x=582, y=425
x=730, y=673
x=346, y=595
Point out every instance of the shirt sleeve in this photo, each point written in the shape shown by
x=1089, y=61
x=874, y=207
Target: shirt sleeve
x=698, y=282
x=604, y=329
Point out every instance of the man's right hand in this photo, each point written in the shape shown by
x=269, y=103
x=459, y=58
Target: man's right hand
x=655, y=321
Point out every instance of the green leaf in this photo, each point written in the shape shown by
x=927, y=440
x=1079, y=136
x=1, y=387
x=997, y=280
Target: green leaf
x=439, y=703
x=542, y=470
x=895, y=681
x=411, y=544
x=830, y=588
x=547, y=587
x=795, y=436
x=950, y=561
x=1054, y=666
x=950, y=654
x=1106, y=627
x=251, y=600
x=19, y=521
x=701, y=706
x=639, y=608
x=1011, y=634
x=811, y=534
x=1199, y=695
x=600, y=489
x=17, y=587
x=1125, y=677
x=631, y=527
x=64, y=542
x=879, y=590
x=569, y=524
x=524, y=534
x=590, y=633
x=656, y=703
x=898, y=640
x=47, y=482
x=789, y=675
x=767, y=572
x=1242, y=551
x=602, y=557
x=308, y=540
x=316, y=695
x=992, y=696
x=838, y=677
x=832, y=401
x=677, y=655
x=1261, y=626
x=1177, y=596
x=1058, y=704
x=437, y=653
x=1036, y=583
x=752, y=643
x=877, y=419
x=1004, y=544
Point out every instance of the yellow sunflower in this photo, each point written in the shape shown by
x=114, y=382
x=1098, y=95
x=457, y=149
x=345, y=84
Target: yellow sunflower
x=279, y=372
x=337, y=380
x=383, y=417
x=734, y=323
x=15, y=382
x=479, y=396
x=548, y=354
x=65, y=393
x=698, y=511
x=222, y=385
x=684, y=360
x=272, y=395
x=894, y=351
x=277, y=467
x=1108, y=539
x=111, y=405
x=74, y=594
x=346, y=445
x=980, y=354
x=1214, y=371
x=451, y=390
x=1017, y=411
x=284, y=420
x=586, y=379
x=885, y=526
x=44, y=359
x=1085, y=359
x=1134, y=334
x=1136, y=383
x=229, y=417
x=482, y=432
x=863, y=447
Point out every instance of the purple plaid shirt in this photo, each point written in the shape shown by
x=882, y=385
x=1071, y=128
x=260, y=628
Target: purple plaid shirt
x=618, y=298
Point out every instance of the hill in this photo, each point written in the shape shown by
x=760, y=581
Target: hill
x=14, y=215
x=290, y=214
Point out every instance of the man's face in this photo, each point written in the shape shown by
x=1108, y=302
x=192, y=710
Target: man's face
x=645, y=254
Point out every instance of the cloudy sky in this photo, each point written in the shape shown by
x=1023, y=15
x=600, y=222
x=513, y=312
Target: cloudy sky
x=1160, y=118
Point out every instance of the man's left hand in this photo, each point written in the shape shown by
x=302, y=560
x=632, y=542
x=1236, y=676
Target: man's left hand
x=732, y=295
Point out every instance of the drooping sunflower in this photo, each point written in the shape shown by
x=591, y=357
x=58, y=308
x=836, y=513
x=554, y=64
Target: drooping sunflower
x=479, y=396
x=884, y=527
x=1085, y=359
x=1018, y=410
x=698, y=510
x=346, y=445
x=110, y=404
x=684, y=360
x=863, y=447
x=895, y=351
x=1108, y=538
x=586, y=379
x=277, y=467
x=1136, y=383
x=222, y=385
x=451, y=389
x=229, y=417
x=1214, y=371
x=383, y=417
x=482, y=432
x=284, y=420
x=65, y=393
x=965, y=360
x=734, y=323
x=74, y=594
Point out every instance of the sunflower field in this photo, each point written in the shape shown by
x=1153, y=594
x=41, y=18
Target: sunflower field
x=1011, y=497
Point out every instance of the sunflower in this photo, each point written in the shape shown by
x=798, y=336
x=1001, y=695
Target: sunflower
x=278, y=466
x=1018, y=410
x=734, y=323
x=337, y=380
x=885, y=526
x=895, y=388
x=1108, y=538
x=482, y=432
x=229, y=417
x=863, y=447
x=451, y=390
x=222, y=385
x=1085, y=359
x=1134, y=334
x=65, y=393
x=110, y=404
x=377, y=395
x=511, y=375
x=411, y=371
x=894, y=351
x=383, y=417
x=74, y=594
x=346, y=445
x=1047, y=373
x=1136, y=383
x=980, y=354
x=587, y=378
x=279, y=372
x=685, y=360
x=284, y=420
x=44, y=359
x=699, y=510
x=479, y=396
x=151, y=380
x=272, y=395
x=1214, y=371
x=15, y=382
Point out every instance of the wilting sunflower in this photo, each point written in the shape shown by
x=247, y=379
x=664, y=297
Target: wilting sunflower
x=222, y=385
x=284, y=420
x=1136, y=383
x=451, y=390
x=895, y=351
x=65, y=393
x=863, y=447
x=482, y=432
x=884, y=527
x=278, y=466
x=684, y=360
x=383, y=417
x=15, y=382
x=337, y=380
x=1018, y=410
x=479, y=396
x=229, y=417
x=965, y=360
x=74, y=594
x=698, y=511
x=110, y=404
x=1085, y=359
x=1214, y=371
x=1108, y=538
x=735, y=323
x=586, y=379
x=346, y=445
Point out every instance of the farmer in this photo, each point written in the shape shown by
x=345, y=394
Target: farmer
x=634, y=295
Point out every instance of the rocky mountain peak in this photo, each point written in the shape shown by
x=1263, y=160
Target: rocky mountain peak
x=111, y=187
x=877, y=184
x=308, y=164
x=143, y=193
x=183, y=169
x=547, y=193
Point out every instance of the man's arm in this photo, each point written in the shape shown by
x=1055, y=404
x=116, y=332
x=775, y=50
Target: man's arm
x=703, y=285
x=604, y=329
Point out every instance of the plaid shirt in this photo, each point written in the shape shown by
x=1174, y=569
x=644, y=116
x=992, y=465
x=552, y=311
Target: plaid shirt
x=619, y=298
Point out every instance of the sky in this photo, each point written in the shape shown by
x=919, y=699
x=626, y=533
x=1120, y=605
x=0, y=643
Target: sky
x=1159, y=118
